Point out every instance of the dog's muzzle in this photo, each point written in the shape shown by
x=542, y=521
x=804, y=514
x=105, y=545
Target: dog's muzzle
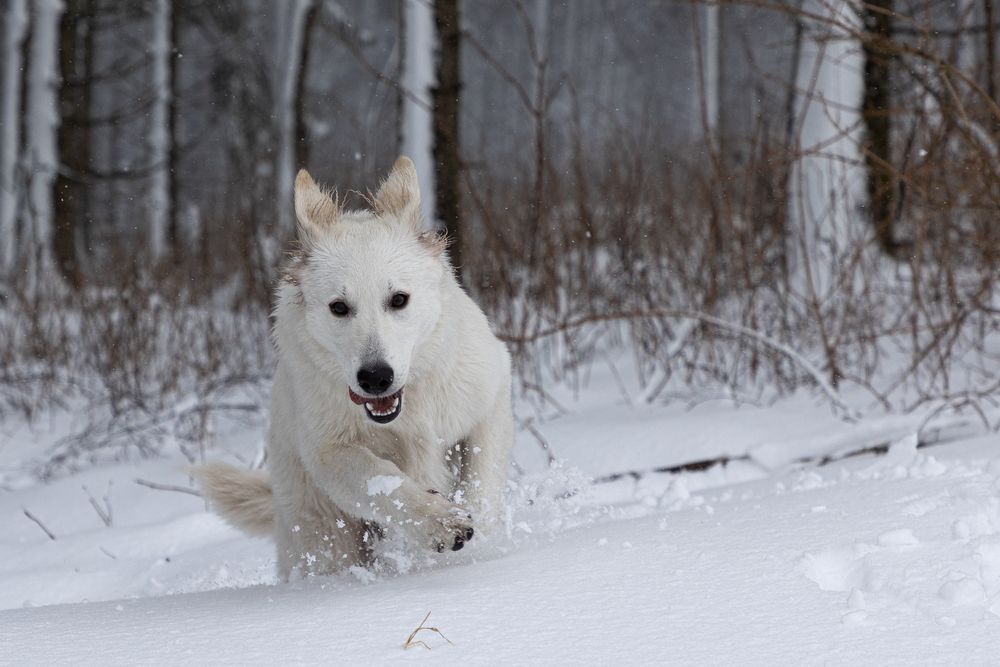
x=381, y=409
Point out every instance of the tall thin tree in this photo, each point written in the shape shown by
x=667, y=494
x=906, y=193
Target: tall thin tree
x=301, y=89
x=15, y=31
x=72, y=194
x=991, y=50
x=291, y=35
x=418, y=79
x=161, y=204
x=876, y=113
x=446, y=96
x=41, y=146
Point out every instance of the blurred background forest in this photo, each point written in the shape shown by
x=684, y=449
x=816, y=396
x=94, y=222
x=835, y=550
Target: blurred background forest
x=749, y=197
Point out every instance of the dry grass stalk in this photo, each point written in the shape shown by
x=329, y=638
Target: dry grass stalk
x=167, y=487
x=411, y=641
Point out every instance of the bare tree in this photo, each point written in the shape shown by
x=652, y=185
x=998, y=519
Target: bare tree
x=161, y=205
x=418, y=79
x=876, y=112
x=41, y=148
x=173, y=138
x=446, y=95
x=292, y=31
x=991, y=50
x=15, y=31
x=301, y=90
x=72, y=194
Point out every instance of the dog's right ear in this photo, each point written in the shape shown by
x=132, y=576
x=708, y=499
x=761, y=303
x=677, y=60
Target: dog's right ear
x=315, y=209
x=399, y=194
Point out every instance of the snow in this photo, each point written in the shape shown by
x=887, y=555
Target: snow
x=891, y=559
x=699, y=587
x=384, y=484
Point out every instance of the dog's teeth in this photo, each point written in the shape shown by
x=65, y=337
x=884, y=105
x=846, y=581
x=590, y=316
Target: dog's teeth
x=375, y=412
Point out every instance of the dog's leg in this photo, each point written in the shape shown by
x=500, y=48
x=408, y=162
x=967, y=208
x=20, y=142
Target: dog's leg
x=486, y=459
x=374, y=489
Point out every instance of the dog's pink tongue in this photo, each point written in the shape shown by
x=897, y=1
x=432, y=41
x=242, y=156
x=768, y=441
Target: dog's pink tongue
x=383, y=404
x=354, y=397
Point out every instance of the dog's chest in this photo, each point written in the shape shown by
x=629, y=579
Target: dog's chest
x=424, y=459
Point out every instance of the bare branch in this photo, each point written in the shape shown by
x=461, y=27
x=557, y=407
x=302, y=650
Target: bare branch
x=168, y=487
x=39, y=523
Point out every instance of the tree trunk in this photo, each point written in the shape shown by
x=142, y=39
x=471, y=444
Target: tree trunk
x=290, y=52
x=991, y=50
x=877, y=116
x=173, y=146
x=301, y=126
x=15, y=29
x=72, y=208
x=418, y=79
x=447, y=155
x=41, y=77
x=161, y=206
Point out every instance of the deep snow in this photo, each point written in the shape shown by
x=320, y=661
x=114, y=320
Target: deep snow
x=889, y=559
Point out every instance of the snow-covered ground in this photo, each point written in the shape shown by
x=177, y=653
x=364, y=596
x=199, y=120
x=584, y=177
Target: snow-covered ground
x=891, y=559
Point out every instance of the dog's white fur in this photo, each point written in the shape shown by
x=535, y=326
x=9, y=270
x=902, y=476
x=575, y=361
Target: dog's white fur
x=332, y=469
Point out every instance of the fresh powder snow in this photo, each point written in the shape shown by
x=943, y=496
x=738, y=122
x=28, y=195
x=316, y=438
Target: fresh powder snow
x=868, y=559
x=384, y=484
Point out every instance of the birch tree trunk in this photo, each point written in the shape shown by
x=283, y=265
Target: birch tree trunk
x=825, y=181
x=713, y=64
x=292, y=32
x=42, y=127
x=418, y=79
x=16, y=24
x=160, y=204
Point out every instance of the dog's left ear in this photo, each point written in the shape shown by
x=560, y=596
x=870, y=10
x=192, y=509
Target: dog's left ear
x=399, y=194
x=314, y=208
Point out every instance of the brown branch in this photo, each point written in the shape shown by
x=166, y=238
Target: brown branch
x=732, y=327
x=39, y=522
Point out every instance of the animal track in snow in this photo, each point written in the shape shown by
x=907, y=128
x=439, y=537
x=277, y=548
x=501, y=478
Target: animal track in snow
x=836, y=569
x=900, y=537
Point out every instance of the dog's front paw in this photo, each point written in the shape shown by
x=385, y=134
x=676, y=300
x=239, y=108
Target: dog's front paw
x=450, y=525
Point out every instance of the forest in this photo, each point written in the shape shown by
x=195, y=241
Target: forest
x=723, y=238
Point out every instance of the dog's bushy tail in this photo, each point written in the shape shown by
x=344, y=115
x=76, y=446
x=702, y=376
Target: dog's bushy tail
x=242, y=497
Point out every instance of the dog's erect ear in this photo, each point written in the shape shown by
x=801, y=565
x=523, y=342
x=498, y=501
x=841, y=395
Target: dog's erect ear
x=314, y=208
x=399, y=194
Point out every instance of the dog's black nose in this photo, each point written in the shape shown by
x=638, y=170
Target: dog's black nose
x=375, y=379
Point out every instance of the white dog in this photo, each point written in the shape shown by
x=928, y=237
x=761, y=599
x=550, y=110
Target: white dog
x=391, y=403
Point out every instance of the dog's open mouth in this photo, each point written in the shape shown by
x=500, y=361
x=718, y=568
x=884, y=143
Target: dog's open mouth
x=383, y=409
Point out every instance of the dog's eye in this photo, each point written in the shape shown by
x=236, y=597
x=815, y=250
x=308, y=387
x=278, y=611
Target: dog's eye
x=399, y=300
x=339, y=308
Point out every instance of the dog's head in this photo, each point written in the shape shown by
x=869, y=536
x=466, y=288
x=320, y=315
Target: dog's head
x=371, y=285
